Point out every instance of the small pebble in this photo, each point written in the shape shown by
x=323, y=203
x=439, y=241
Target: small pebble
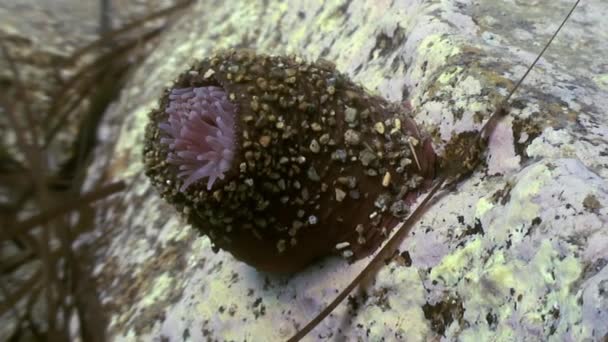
x=366, y=157
x=349, y=181
x=312, y=220
x=399, y=209
x=262, y=83
x=209, y=73
x=397, y=123
x=339, y=155
x=350, y=115
x=342, y=245
x=386, y=180
x=340, y=195
x=314, y=146
x=265, y=140
x=352, y=137
x=405, y=162
x=281, y=245
x=379, y=127
x=347, y=253
x=312, y=174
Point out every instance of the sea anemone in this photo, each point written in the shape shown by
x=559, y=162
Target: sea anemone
x=200, y=130
x=281, y=162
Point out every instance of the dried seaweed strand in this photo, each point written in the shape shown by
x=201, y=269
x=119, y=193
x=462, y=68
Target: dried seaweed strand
x=21, y=93
x=84, y=81
x=64, y=208
x=101, y=63
x=111, y=36
x=25, y=288
x=36, y=173
x=56, y=281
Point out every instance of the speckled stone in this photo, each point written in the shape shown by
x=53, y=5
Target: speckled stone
x=513, y=253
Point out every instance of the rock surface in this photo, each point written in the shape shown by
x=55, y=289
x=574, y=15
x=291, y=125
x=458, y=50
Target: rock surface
x=519, y=251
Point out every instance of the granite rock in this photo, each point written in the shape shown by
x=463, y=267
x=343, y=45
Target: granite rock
x=517, y=252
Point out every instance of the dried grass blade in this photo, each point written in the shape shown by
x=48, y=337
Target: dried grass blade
x=111, y=36
x=29, y=286
x=65, y=208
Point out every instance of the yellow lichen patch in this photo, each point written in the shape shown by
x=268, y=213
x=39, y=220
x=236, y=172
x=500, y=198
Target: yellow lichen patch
x=168, y=233
x=567, y=271
x=399, y=322
x=540, y=288
x=483, y=205
x=298, y=36
x=501, y=272
x=217, y=290
x=401, y=314
x=438, y=47
x=468, y=87
x=549, y=277
x=449, y=74
x=451, y=266
x=330, y=21
x=602, y=81
x=371, y=80
x=532, y=188
x=276, y=10
x=158, y=291
x=434, y=50
x=522, y=205
x=477, y=107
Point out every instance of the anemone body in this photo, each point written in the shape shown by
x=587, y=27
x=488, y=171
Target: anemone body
x=310, y=165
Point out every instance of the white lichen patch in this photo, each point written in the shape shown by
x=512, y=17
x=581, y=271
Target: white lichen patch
x=502, y=158
x=555, y=143
x=453, y=107
x=552, y=144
